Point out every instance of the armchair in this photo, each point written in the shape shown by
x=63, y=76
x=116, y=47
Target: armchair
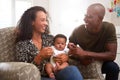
x=9, y=69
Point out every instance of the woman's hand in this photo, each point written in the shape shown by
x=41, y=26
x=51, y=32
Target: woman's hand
x=44, y=54
x=61, y=58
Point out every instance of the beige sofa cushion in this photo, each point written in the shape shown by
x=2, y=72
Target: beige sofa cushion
x=91, y=71
x=18, y=71
x=7, y=38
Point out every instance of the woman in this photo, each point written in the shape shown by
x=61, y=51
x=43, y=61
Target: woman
x=33, y=44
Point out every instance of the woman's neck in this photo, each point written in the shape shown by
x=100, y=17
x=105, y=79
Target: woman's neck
x=36, y=37
x=37, y=40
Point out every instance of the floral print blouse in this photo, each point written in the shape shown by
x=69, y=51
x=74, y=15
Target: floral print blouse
x=26, y=51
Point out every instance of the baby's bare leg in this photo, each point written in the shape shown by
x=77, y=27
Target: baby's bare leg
x=49, y=69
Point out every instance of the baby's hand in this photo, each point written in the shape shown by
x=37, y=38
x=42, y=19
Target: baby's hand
x=59, y=67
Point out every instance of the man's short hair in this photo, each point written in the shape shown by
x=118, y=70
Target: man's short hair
x=100, y=8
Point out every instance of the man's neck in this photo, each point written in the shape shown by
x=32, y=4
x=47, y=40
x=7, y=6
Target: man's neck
x=95, y=30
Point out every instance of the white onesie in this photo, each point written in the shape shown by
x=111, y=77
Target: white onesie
x=57, y=52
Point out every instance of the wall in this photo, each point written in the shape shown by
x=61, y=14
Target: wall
x=68, y=14
x=65, y=15
x=43, y=3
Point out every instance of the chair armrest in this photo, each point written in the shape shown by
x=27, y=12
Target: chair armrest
x=18, y=71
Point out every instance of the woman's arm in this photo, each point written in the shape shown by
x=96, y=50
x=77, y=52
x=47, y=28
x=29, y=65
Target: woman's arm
x=25, y=54
x=45, y=53
x=21, y=52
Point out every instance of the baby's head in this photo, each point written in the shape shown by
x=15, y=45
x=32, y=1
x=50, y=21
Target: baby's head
x=60, y=42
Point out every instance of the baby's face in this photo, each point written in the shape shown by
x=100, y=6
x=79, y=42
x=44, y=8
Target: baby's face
x=60, y=44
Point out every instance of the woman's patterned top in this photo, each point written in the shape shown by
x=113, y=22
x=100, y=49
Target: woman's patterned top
x=26, y=51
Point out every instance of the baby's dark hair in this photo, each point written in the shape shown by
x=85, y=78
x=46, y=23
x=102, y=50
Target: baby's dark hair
x=60, y=36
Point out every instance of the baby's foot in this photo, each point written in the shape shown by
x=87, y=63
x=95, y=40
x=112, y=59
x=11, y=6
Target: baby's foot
x=51, y=75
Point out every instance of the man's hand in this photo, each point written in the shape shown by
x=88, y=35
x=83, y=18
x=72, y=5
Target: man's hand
x=71, y=46
x=78, y=53
x=82, y=56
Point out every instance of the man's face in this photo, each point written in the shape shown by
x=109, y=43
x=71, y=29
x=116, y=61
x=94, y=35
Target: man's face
x=92, y=19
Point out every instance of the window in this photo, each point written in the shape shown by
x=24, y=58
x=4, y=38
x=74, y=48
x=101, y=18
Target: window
x=20, y=7
x=11, y=11
x=5, y=13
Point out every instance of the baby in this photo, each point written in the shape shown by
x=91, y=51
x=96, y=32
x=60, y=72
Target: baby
x=58, y=48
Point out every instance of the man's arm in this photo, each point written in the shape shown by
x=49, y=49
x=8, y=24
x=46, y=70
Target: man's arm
x=109, y=55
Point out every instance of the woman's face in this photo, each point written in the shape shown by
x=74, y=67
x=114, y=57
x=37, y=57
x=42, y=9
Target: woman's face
x=40, y=23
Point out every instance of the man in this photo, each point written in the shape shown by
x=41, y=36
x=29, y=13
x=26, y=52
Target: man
x=97, y=41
